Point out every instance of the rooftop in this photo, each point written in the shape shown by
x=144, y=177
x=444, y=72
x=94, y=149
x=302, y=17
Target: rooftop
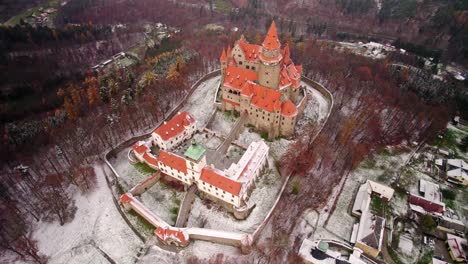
x=431, y=191
x=175, y=126
x=195, y=152
x=216, y=178
x=371, y=229
x=172, y=161
x=236, y=77
x=271, y=40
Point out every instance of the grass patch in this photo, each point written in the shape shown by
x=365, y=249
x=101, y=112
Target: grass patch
x=377, y=205
x=295, y=188
x=369, y=163
x=448, y=194
x=146, y=226
x=264, y=136
x=448, y=140
x=174, y=210
x=449, y=203
x=394, y=256
x=144, y=169
x=426, y=258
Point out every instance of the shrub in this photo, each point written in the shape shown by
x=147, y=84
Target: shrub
x=295, y=188
x=427, y=223
x=448, y=194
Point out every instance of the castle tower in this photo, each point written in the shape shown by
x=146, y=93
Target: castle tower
x=223, y=60
x=270, y=59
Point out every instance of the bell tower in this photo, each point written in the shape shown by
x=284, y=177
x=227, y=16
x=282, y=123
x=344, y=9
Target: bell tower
x=270, y=59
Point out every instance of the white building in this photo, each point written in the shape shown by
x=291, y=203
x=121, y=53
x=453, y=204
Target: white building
x=171, y=133
x=141, y=150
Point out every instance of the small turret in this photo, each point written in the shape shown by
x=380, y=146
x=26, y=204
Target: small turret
x=223, y=61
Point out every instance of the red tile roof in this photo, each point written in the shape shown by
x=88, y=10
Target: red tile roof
x=175, y=233
x=140, y=148
x=217, y=179
x=284, y=78
x=223, y=56
x=271, y=40
x=262, y=97
x=228, y=52
x=288, y=109
x=294, y=75
x=299, y=69
x=175, y=126
x=172, y=161
x=236, y=77
x=125, y=198
x=150, y=159
x=251, y=51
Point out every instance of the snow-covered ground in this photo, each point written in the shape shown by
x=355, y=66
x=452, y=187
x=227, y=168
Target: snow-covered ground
x=223, y=123
x=128, y=173
x=97, y=224
x=200, y=104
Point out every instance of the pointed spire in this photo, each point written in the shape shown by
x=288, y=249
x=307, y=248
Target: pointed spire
x=232, y=62
x=229, y=51
x=223, y=56
x=271, y=40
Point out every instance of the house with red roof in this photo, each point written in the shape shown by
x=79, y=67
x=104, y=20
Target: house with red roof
x=263, y=82
x=180, y=128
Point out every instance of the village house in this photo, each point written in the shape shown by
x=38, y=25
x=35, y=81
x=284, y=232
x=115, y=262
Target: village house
x=458, y=248
x=456, y=170
x=262, y=82
x=368, y=234
x=180, y=128
x=429, y=199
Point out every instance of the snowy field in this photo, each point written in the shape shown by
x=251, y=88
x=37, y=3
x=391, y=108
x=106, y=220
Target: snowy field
x=97, y=224
x=200, y=105
x=223, y=123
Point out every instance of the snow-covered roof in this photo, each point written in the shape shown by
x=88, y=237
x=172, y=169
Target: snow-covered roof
x=371, y=229
x=249, y=163
x=458, y=173
x=458, y=163
x=362, y=201
x=455, y=244
x=431, y=191
x=438, y=261
x=382, y=190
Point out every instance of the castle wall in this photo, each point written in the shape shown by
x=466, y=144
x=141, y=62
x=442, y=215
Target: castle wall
x=287, y=126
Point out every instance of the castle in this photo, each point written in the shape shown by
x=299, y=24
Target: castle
x=263, y=83
x=187, y=163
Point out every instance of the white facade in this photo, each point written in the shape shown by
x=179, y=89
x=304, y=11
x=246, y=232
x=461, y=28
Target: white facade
x=175, y=140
